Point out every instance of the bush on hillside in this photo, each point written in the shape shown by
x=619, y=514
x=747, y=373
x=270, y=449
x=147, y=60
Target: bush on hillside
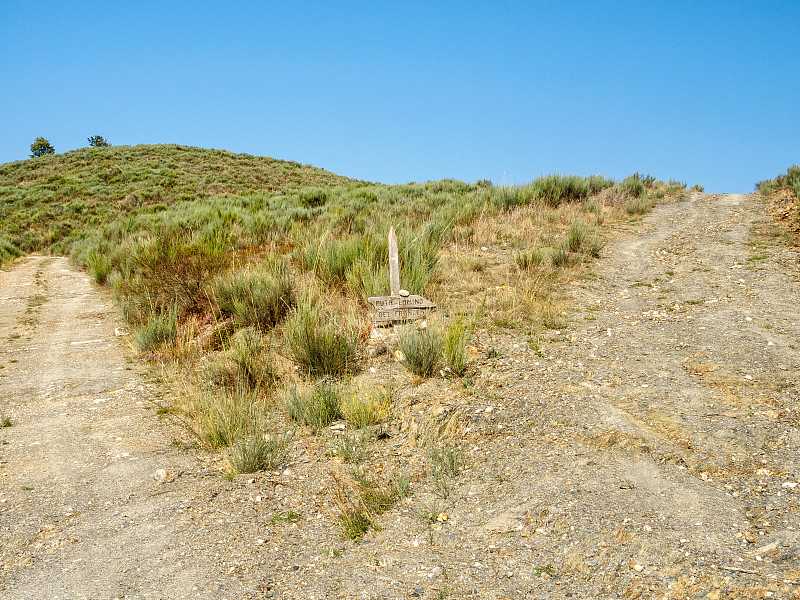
x=319, y=346
x=7, y=250
x=260, y=296
x=172, y=269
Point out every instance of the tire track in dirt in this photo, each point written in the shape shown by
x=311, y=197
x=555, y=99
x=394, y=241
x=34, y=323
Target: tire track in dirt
x=80, y=516
x=684, y=363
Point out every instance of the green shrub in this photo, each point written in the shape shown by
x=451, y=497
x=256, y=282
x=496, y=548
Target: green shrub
x=793, y=179
x=226, y=415
x=767, y=187
x=331, y=259
x=576, y=236
x=317, y=406
x=418, y=260
x=8, y=251
x=314, y=198
x=365, y=407
x=259, y=297
x=99, y=265
x=580, y=240
x=422, y=348
x=632, y=186
x=319, y=345
x=249, y=353
x=456, y=339
x=593, y=245
x=173, y=268
x=637, y=206
x=527, y=261
x=365, y=280
x=159, y=327
x=553, y=190
x=506, y=197
x=598, y=183
x=257, y=450
x=561, y=256
x=675, y=186
x=220, y=371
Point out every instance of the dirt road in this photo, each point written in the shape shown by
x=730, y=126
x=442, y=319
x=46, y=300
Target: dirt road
x=650, y=449
x=80, y=516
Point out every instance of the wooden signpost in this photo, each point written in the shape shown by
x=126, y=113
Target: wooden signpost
x=400, y=306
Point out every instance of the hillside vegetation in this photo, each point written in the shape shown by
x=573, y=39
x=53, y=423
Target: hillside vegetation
x=49, y=202
x=784, y=193
x=246, y=278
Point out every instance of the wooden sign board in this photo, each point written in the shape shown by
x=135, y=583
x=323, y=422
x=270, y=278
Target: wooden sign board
x=400, y=308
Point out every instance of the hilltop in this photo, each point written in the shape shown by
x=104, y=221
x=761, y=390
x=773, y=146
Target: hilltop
x=50, y=201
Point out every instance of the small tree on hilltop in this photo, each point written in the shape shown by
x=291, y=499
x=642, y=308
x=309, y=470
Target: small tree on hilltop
x=40, y=147
x=97, y=141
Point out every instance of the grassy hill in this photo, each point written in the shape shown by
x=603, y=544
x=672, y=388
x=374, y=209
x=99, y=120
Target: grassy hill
x=48, y=202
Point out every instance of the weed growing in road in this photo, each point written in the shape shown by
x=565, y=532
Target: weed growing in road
x=5, y=421
x=351, y=448
x=290, y=516
x=544, y=570
x=444, y=463
x=428, y=511
x=365, y=499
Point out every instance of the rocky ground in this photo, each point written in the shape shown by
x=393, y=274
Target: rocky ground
x=647, y=450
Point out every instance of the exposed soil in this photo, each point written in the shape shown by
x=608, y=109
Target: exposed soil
x=650, y=449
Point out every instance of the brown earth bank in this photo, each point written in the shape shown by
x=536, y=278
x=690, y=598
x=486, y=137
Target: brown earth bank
x=647, y=450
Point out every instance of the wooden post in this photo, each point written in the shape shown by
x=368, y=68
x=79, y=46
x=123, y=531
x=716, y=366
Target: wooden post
x=394, y=265
x=396, y=308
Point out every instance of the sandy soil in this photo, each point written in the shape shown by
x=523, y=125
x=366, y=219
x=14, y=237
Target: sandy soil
x=648, y=450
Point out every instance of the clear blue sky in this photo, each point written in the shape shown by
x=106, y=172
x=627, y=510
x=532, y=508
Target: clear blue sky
x=702, y=92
